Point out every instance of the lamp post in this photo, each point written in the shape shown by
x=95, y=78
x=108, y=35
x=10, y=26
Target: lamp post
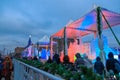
x=38, y=48
x=65, y=42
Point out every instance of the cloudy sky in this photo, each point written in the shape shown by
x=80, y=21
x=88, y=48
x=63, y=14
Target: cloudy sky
x=21, y=18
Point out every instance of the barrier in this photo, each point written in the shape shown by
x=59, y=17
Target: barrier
x=24, y=71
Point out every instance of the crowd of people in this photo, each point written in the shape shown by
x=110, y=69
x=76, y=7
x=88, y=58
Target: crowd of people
x=112, y=65
x=6, y=67
x=111, y=68
x=79, y=60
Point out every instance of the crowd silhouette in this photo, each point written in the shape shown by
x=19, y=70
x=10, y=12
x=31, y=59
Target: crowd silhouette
x=111, y=67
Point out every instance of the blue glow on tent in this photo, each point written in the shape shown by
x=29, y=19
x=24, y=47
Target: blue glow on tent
x=44, y=43
x=43, y=54
x=88, y=20
x=48, y=52
x=95, y=47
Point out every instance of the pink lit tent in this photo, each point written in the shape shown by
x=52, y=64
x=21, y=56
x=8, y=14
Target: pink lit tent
x=88, y=24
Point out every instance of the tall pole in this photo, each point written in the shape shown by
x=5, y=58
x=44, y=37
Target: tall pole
x=51, y=47
x=38, y=48
x=100, y=41
x=65, y=42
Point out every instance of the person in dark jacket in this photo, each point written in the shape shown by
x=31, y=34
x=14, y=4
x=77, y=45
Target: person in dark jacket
x=7, y=68
x=49, y=60
x=110, y=63
x=98, y=66
x=66, y=62
x=56, y=58
x=35, y=58
x=1, y=67
x=66, y=59
x=79, y=61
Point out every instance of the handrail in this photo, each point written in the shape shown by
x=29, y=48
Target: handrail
x=24, y=71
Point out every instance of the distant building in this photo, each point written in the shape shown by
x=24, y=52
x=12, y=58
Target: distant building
x=18, y=51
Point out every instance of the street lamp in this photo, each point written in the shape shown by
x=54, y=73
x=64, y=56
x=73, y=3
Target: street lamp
x=38, y=48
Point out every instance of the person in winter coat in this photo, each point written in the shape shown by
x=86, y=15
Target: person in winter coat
x=49, y=60
x=79, y=61
x=98, y=66
x=7, y=68
x=88, y=62
x=56, y=58
x=110, y=63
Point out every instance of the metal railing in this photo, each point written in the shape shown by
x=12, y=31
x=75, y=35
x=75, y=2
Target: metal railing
x=24, y=71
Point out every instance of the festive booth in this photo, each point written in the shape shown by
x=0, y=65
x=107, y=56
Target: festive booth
x=69, y=38
x=40, y=49
x=43, y=47
x=29, y=49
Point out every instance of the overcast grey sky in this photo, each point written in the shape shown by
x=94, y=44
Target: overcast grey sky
x=20, y=18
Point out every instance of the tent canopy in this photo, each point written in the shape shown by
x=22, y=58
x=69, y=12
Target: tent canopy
x=88, y=24
x=44, y=41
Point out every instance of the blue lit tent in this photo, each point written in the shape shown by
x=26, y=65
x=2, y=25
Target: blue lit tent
x=43, y=54
x=44, y=44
